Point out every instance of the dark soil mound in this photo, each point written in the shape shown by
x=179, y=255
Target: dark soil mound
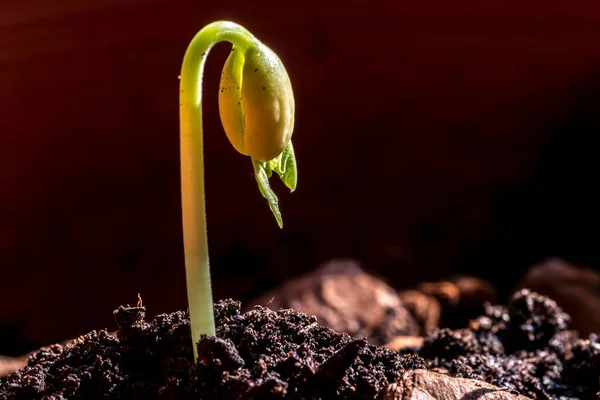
x=261, y=354
x=523, y=347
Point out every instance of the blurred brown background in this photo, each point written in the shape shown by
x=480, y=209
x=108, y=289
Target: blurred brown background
x=432, y=138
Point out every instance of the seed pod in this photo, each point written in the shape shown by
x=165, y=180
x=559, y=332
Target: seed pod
x=256, y=103
x=230, y=100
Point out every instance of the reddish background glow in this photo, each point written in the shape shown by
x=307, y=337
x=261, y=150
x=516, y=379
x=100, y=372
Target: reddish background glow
x=432, y=138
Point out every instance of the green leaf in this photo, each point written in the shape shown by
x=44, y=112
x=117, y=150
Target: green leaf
x=289, y=172
x=262, y=172
x=285, y=166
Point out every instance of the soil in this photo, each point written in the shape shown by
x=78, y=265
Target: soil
x=261, y=354
x=523, y=347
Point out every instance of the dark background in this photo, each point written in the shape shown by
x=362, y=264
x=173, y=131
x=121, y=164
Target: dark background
x=432, y=138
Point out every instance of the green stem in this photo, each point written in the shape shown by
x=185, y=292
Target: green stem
x=192, y=171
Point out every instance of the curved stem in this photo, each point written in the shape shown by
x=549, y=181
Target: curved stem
x=192, y=171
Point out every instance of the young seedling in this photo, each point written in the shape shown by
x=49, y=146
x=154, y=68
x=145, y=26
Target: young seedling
x=256, y=106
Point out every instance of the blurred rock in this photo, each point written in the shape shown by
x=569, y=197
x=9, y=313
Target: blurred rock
x=575, y=289
x=461, y=299
x=405, y=343
x=425, y=309
x=10, y=364
x=345, y=298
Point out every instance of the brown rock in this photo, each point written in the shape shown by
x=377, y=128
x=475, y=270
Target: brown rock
x=424, y=308
x=428, y=385
x=346, y=299
x=405, y=343
x=461, y=298
x=10, y=364
x=576, y=290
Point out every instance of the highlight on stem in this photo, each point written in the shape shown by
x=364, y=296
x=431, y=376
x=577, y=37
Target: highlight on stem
x=256, y=107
